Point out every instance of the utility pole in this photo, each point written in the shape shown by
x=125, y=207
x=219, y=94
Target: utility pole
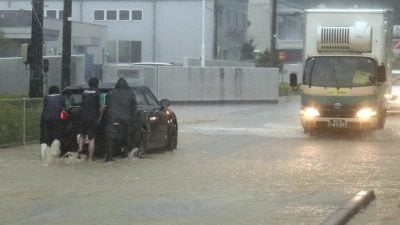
x=66, y=45
x=203, y=28
x=273, y=28
x=36, y=73
x=216, y=23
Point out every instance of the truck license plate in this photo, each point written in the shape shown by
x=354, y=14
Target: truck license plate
x=337, y=123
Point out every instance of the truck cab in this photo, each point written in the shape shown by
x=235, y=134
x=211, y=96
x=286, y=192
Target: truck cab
x=347, y=63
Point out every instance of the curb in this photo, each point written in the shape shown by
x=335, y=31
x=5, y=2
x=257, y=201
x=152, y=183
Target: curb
x=342, y=215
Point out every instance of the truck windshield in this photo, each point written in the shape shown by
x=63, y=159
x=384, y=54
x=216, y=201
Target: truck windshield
x=334, y=71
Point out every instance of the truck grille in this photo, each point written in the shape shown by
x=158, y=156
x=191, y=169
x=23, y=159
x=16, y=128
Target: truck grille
x=344, y=112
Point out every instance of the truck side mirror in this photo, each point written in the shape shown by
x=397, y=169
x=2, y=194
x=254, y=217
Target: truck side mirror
x=381, y=73
x=293, y=80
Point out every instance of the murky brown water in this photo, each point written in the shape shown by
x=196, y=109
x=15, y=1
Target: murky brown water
x=261, y=170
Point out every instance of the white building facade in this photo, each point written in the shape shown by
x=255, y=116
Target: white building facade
x=156, y=30
x=289, y=28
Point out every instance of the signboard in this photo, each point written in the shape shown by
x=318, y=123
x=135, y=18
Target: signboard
x=282, y=57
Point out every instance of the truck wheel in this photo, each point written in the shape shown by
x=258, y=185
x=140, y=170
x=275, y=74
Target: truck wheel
x=308, y=129
x=382, y=120
x=305, y=129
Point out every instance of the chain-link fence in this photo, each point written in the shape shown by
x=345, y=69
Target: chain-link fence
x=19, y=121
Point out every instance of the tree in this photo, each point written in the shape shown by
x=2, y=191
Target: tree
x=247, y=51
x=267, y=59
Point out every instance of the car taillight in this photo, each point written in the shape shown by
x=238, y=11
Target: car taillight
x=63, y=115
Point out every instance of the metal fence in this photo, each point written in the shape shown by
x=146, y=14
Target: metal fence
x=20, y=121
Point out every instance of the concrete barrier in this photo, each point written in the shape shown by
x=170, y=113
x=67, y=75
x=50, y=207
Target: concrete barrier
x=202, y=84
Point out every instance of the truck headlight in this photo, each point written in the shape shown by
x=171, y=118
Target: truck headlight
x=310, y=112
x=365, y=113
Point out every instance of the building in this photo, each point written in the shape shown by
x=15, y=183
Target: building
x=157, y=30
x=86, y=39
x=289, y=22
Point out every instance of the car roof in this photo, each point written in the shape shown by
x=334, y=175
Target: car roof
x=102, y=85
x=152, y=64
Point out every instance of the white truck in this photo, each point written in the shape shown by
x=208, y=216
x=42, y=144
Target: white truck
x=346, y=70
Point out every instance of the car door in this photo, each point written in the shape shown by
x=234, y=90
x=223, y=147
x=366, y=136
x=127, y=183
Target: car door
x=148, y=107
x=157, y=119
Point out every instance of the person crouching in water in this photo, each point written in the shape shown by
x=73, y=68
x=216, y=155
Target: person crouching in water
x=120, y=115
x=53, y=105
x=90, y=116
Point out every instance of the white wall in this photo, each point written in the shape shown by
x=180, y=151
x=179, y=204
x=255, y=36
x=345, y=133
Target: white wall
x=14, y=77
x=218, y=84
x=209, y=84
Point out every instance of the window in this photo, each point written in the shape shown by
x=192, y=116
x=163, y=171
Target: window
x=98, y=14
x=112, y=51
x=220, y=14
x=140, y=99
x=244, y=20
x=123, y=14
x=136, y=51
x=289, y=28
x=111, y=14
x=228, y=16
x=60, y=14
x=123, y=47
x=51, y=14
x=236, y=18
x=136, y=14
x=151, y=99
x=129, y=51
x=335, y=71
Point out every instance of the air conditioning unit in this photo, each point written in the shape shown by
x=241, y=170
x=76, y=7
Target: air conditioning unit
x=357, y=38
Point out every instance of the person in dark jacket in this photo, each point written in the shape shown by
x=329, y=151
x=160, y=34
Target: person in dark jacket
x=90, y=116
x=53, y=105
x=120, y=116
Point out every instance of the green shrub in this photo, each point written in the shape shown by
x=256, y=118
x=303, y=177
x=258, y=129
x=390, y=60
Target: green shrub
x=12, y=121
x=286, y=90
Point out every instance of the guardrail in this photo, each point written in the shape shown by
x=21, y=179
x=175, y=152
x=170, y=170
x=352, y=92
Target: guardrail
x=20, y=121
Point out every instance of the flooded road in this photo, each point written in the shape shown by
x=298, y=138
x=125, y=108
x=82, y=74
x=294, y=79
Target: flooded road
x=235, y=164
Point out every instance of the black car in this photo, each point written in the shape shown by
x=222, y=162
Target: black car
x=156, y=126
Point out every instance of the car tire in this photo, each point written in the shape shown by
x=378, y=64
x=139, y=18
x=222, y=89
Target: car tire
x=142, y=144
x=172, y=141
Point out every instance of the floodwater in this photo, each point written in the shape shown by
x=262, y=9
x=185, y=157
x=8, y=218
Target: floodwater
x=235, y=164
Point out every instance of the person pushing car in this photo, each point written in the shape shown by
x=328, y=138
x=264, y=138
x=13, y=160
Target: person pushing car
x=120, y=116
x=90, y=116
x=53, y=106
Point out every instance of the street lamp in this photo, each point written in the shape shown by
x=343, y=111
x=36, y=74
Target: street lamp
x=203, y=47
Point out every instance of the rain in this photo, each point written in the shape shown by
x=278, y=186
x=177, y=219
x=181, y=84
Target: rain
x=246, y=111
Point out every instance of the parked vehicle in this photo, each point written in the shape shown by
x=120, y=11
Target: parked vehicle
x=347, y=63
x=156, y=125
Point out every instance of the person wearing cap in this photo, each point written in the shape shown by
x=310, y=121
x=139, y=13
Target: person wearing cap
x=90, y=116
